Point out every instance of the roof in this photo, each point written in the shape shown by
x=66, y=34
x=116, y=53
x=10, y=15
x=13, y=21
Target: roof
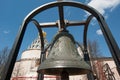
x=36, y=44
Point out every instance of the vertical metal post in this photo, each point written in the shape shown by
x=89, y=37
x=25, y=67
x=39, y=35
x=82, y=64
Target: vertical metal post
x=42, y=58
x=61, y=24
x=113, y=47
x=13, y=54
x=90, y=75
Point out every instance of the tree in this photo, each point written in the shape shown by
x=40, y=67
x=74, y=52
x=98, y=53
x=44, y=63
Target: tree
x=94, y=49
x=95, y=53
x=3, y=59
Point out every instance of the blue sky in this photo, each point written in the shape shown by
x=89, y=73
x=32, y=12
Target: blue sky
x=12, y=13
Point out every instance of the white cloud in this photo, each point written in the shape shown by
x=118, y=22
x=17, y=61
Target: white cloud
x=99, y=32
x=6, y=32
x=102, y=5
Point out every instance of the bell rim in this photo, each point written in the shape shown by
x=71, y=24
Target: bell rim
x=64, y=63
x=70, y=70
x=56, y=67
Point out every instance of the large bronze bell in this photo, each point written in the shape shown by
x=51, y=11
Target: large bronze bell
x=63, y=56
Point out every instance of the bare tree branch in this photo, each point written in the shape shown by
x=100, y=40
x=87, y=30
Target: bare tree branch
x=3, y=58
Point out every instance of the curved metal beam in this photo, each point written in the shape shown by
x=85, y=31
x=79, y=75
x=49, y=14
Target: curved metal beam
x=85, y=32
x=85, y=51
x=61, y=3
x=42, y=55
x=40, y=33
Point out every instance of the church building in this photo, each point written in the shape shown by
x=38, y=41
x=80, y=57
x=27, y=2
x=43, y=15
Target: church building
x=26, y=67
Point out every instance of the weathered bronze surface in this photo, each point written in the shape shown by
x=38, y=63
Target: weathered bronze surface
x=63, y=55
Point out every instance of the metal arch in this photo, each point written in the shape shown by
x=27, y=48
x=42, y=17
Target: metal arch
x=106, y=32
x=59, y=4
x=15, y=50
x=85, y=31
x=40, y=32
x=43, y=55
x=85, y=51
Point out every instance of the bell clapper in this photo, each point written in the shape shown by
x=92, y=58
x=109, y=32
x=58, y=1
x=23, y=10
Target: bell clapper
x=64, y=75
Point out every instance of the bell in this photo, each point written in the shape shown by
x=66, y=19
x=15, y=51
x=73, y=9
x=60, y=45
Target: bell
x=63, y=56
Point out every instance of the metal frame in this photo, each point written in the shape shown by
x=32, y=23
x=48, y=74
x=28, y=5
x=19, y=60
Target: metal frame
x=61, y=24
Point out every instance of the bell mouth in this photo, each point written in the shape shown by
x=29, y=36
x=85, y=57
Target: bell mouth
x=58, y=71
